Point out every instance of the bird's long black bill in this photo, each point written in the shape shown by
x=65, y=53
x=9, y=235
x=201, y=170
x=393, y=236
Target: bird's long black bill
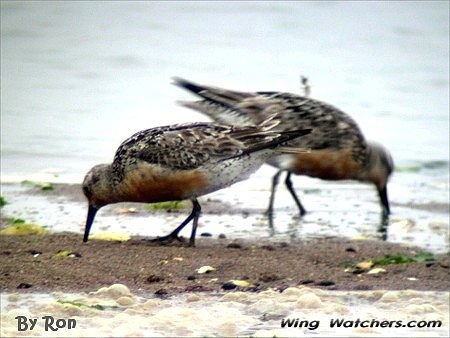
x=90, y=219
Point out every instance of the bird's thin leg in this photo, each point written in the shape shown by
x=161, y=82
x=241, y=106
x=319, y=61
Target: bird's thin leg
x=385, y=212
x=174, y=234
x=275, y=180
x=384, y=200
x=383, y=229
x=289, y=186
x=197, y=209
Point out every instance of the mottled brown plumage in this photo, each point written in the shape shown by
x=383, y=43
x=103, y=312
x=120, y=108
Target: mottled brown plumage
x=339, y=150
x=180, y=162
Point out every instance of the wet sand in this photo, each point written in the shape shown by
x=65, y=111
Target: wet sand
x=32, y=264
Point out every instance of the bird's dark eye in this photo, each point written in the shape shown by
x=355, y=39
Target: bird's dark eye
x=87, y=192
x=95, y=179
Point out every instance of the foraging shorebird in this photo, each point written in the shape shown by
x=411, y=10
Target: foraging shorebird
x=181, y=162
x=339, y=150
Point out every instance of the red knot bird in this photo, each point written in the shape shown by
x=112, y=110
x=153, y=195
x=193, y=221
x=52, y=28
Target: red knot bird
x=179, y=162
x=339, y=151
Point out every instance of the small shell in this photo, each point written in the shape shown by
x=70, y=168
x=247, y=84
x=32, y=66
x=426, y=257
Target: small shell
x=205, y=269
x=241, y=283
x=366, y=265
x=376, y=271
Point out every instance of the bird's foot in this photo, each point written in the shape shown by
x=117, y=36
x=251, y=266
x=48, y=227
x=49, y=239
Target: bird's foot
x=164, y=240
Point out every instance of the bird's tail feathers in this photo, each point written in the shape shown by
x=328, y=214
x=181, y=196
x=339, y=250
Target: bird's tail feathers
x=223, y=96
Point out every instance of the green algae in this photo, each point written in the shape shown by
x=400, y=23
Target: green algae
x=169, y=205
x=20, y=228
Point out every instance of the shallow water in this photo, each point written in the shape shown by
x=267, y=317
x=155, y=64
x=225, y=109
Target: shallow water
x=346, y=210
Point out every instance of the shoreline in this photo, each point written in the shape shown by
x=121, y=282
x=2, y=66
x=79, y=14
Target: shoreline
x=245, y=253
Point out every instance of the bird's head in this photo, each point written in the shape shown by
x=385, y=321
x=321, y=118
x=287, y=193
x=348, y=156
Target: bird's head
x=97, y=187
